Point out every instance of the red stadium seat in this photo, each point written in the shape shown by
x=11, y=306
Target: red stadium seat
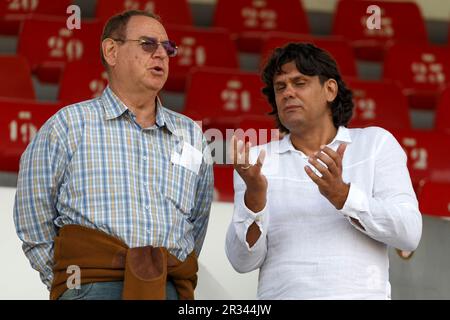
x=20, y=121
x=257, y=129
x=423, y=72
x=265, y=131
x=197, y=48
x=340, y=49
x=223, y=183
x=13, y=12
x=398, y=21
x=428, y=156
x=219, y=97
x=442, y=115
x=378, y=104
x=15, y=78
x=248, y=20
x=48, y=45
x=82, y=81
x=171, y=12
x=434, y=199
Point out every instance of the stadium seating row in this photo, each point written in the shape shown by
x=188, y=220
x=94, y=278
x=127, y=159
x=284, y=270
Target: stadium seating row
x=231, y=91
x=248, y=19
x=421, y=71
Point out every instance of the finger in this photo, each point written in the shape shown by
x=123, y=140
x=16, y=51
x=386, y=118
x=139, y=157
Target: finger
x=332, y=154
x=232, y=151
x=314, y=177
x=236, y=156
x=261, y=157
x=320, y=167
x=240, y=147
x=247, y=153
x=341, y=149
x=233, y=147
x=328, y=161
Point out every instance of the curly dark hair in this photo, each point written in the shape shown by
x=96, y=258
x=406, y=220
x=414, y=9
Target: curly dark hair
x=311, y=61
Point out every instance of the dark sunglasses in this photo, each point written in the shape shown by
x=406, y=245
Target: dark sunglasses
x=150, y=45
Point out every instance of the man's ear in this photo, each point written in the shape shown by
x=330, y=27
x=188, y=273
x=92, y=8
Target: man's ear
x=109, y=49
x=331, y=89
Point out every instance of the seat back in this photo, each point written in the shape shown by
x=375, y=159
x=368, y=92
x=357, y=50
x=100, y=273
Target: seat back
x=378, y=104
x=163, y=8
x=13, y=12
x=398, y=21
x=339, y=49
x=434, y=199
x=442, y=115
x=423, y=72
x=217, y=94
x=428, y=156
x=47, y=44
x=248, y=20
x=223, y=183
x=82, y=81
x=15, y=78
x=197, y=48
x=20, y=121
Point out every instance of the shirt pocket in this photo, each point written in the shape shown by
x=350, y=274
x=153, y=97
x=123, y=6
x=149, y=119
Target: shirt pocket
x=180, y=187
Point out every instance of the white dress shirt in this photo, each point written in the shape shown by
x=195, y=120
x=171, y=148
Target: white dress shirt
x=310, y=250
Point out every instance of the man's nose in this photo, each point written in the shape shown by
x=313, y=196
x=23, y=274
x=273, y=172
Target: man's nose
x=288, y=92
x=159, y=52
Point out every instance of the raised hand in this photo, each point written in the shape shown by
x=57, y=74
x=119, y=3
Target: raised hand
x=331, y=185
x=251, y=174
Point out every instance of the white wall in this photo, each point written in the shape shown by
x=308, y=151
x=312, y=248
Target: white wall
x=217, y=279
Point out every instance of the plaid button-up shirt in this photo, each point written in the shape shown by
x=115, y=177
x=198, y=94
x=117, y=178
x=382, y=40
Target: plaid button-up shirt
x=92, y=164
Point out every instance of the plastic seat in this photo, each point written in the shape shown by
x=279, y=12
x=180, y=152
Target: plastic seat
x=198, y=48
x=15, y=78
x=339, y=48
x=165, y=9
x=47, y=44
x=257, y=129
x=428, y=156
x=398, y=21
x=442, y=115
x=220, y=96
x=82, y=81
x=378, y=104
x=434, y=199
x=248, y=20
x=223, y=183
x=20, y=121
x=423, y=72
x=13, y=12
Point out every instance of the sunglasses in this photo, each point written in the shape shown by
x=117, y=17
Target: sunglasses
x=150, y=45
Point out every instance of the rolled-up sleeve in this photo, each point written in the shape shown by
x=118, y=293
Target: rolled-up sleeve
x=390, y=214
x=241, y=256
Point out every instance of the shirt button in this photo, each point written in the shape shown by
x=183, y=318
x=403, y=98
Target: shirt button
x=149, y=231
x=145, y=158
x=146, y=184
x=147, y=207
x=258, y=218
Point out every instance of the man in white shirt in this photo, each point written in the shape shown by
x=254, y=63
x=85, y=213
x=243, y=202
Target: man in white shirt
x=316, y=211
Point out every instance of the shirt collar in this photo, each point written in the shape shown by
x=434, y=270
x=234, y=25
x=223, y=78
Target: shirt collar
x=342, y=135
x=114, y=108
